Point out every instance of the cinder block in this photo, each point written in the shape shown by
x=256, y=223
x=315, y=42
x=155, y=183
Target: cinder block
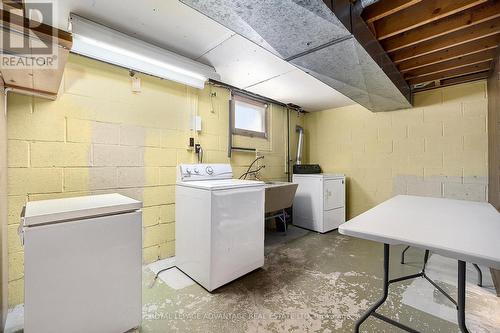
x=169, y=138
x=465, y=92
x=444, y=112
x=150, y=216
x=150, y=254
x=442, y=175
x=209, y=141
x=13, y=241
x=413, y=116
x=16, y=292
x=160, y=157
x=167, y=213
x=167, y=232
x=111, y=155
x=15, y=205
x=92, y=131
x=84, y=179
x=425, y=130
x=473, y=192
x=132, y=135
x=167, y=250
x=409, y=145
x=60, y=154
x=429, y=97
x=18, y=154
x=158, y=195
x=437, y=144
x=478, y=108
x=16, y=266
x=212, y=156
x=25, y=123
x=427, y=189
x=34, y=180
x=465, y=126
x=151, y=236
x=168, y=175
x=137, y=176
x=379, y=147
x=476, y=142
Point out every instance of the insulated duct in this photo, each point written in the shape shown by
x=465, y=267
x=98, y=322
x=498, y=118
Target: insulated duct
x=307, y=34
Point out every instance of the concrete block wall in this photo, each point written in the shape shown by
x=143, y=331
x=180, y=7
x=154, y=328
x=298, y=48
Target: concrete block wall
x=99, y=137
x=4, y=278
x=437, y=148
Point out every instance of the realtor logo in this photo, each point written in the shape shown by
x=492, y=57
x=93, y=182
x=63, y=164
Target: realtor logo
x=28, y=39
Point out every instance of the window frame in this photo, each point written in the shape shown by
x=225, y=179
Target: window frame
x=244, y=132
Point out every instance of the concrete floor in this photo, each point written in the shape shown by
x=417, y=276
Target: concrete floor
x=312, y=282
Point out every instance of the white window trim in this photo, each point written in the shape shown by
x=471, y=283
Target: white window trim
x=239, y=131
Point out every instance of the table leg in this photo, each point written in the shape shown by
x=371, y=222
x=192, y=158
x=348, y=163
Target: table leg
x=403, y=255
x=375, y=306
x=479, y=275
x=461, y=297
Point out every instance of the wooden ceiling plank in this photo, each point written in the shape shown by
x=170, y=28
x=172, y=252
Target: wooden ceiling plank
x=462, y=20
x=443, y=42
x=455, y=80
x=476, y=46
x=471, y=69
x=467, y=60
x=422, y=13
x=385, y=8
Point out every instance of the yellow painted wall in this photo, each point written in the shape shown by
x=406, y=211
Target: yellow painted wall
x=99, y=137
x=437, y=148
x=3, y=211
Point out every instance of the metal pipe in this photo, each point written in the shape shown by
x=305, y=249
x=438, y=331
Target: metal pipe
x=300, y=142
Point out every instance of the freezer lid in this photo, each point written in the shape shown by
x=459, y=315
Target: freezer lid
x=57, y=210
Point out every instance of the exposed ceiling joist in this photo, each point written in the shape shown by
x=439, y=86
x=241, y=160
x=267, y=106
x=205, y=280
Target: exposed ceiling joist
x=443, y=42
x=419, y=14
x=459, y=62
x=461, y=20
x=382, y=9
x=471, y=69
x=476, y=46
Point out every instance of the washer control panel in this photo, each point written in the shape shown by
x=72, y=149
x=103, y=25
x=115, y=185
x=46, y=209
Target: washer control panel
x=194, y=172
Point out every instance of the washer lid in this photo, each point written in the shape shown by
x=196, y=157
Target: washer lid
x=57, y=210
x=221, y=184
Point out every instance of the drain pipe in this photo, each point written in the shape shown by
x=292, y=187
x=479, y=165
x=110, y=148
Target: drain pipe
x=300, y=143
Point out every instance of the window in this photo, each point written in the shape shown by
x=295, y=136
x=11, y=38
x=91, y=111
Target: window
x=249, y=117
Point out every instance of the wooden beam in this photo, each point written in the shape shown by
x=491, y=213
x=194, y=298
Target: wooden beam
x=476, y=46
x=43, y=31
x=422, y=13
x=443, y=42
x=385, y=8
x=462, y=20
x=471, y=69
x=455, y=80
x=467, y=60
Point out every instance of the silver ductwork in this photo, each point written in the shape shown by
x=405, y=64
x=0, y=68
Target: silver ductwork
x=300, y=143
x=366, y=3
x=307, y=34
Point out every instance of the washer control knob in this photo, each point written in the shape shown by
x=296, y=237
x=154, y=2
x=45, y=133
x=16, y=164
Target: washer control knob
x=209, y=170
x=188, y=171
x=196, y=171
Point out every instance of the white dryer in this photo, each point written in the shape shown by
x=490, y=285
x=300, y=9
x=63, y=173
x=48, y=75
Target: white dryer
x=319, y=203
x=219, y=231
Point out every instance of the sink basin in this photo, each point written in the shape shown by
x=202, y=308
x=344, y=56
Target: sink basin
x=279, y=195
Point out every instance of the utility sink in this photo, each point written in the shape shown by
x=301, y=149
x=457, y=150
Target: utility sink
x=279, y=195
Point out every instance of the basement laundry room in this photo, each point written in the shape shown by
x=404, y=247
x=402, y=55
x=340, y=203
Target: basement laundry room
x=250, y=166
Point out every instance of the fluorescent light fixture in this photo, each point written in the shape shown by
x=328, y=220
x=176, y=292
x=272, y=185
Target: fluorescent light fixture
x=102, y=43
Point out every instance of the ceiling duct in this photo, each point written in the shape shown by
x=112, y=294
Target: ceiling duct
x=307, y=34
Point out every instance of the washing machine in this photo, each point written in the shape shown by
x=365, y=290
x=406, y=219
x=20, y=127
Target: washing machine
x=319, y=203
x=219, y=231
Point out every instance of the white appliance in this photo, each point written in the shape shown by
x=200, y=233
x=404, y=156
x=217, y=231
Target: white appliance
x=82, y=264
x=319, y=203
x=219, y=231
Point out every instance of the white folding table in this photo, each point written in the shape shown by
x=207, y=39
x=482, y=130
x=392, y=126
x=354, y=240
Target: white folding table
x=463, y=230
